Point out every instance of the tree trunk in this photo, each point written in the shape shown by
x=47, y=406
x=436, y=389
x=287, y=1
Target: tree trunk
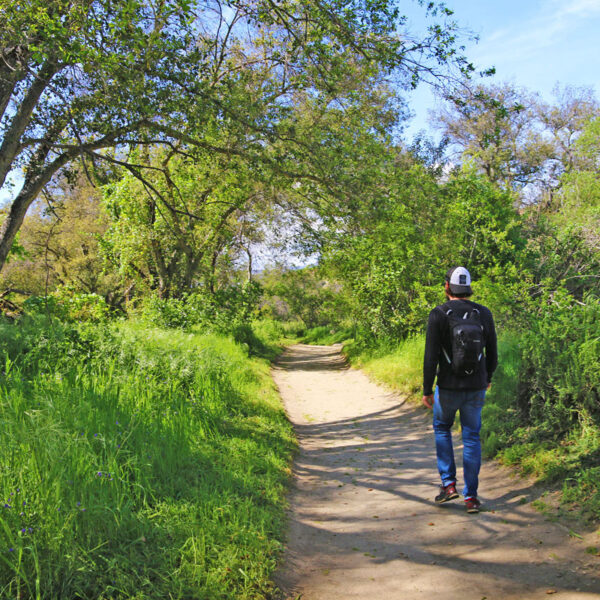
x=18, y=208
x=11, y=72
x=11, y=141
x=249, y=264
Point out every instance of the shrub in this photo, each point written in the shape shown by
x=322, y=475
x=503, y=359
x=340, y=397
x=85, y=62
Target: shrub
x=560, y=378
x=222, y=311
x=500, y=416
x=68, y=305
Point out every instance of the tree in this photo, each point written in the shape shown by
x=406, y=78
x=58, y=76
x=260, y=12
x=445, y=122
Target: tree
x=170, y=227
x=93, y=79
x=564, y=121
x=394, y=255
x=495, y=127
x=308, y=294
x=81, y=76
x=60, y=239
x=518, y=141
x=578, y=205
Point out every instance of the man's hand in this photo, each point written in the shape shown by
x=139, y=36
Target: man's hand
x=428, y=401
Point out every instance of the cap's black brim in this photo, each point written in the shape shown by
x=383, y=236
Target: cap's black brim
x=460, y=289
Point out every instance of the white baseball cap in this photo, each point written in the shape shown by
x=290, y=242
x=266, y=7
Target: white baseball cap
x=459, y=280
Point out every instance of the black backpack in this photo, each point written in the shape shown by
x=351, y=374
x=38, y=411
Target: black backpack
x=468, y=342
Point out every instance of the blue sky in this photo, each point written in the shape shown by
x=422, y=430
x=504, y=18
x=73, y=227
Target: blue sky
x=532, y=43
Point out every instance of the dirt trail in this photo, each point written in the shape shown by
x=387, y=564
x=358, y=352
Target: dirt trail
x=362, y=521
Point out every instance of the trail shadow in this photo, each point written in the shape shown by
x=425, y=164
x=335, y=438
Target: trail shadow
x=392, y=451
x=312, y=358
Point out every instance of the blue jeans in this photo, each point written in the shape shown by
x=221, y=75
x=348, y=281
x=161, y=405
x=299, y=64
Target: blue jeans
x=469, y=403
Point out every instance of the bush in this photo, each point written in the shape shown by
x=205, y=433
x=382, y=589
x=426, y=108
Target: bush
x=500, y=415
x=222, y=311
x=560, y=378
x=67, y=305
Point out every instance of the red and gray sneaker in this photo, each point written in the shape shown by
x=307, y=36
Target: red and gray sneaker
x=472, y=505
x=446, y=493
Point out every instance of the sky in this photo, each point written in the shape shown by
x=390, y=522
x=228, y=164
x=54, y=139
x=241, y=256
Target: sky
x=533, y=44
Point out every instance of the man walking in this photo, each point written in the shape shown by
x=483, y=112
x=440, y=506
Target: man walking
x=461, y=350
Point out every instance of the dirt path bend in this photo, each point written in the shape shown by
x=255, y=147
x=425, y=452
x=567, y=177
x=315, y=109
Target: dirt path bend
x=362, y=521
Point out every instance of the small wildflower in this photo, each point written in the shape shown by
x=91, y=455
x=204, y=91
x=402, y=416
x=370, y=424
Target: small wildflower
x=79, y=504
x=95, y=435
x=7, y=506
x=118, y=445
x=23, y=530
x=21, y=514
x=24, y=503
x=117, y=422
x=30, y=530
x=11, y=549
x=99, y=474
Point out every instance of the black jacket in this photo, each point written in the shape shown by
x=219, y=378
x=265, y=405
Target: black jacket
x=438, y=336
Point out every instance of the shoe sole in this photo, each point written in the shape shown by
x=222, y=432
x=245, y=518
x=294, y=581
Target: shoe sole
x=472, y=510
x=446, y=498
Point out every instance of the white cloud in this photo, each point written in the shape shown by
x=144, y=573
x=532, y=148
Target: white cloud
x=555, y=20
x=582, y=8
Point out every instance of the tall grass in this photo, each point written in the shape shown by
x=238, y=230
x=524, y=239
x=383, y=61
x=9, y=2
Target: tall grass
x=278, y=333
x=396, y=365
x=324, y=335
x=137, y=463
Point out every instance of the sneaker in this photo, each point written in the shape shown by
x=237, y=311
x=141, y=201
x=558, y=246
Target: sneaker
x=446, y=493
x=472, y=505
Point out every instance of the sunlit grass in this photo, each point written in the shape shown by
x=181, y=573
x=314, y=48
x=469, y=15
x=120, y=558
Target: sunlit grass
x=138, y=463
x=398, y=366
x=326, y=336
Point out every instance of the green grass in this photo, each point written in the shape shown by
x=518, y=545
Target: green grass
x=500, y=415
x=325, y=335
x=138, y=463
x=398, y=366
x=570, y=463
x=277, y=334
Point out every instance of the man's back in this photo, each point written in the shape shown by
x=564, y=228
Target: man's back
x=439, y=338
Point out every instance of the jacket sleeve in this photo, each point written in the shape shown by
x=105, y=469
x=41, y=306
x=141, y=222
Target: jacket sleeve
x=491, y=349
x=432, y=351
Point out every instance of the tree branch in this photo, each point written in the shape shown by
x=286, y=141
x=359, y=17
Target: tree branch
x=11, y=141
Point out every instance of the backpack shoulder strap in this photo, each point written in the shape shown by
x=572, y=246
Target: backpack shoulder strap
x=446, y=312
x=444, y=308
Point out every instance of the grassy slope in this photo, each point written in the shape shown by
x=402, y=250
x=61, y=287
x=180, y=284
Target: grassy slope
x=570, y=463
x=138, y=464
x=398, y=367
